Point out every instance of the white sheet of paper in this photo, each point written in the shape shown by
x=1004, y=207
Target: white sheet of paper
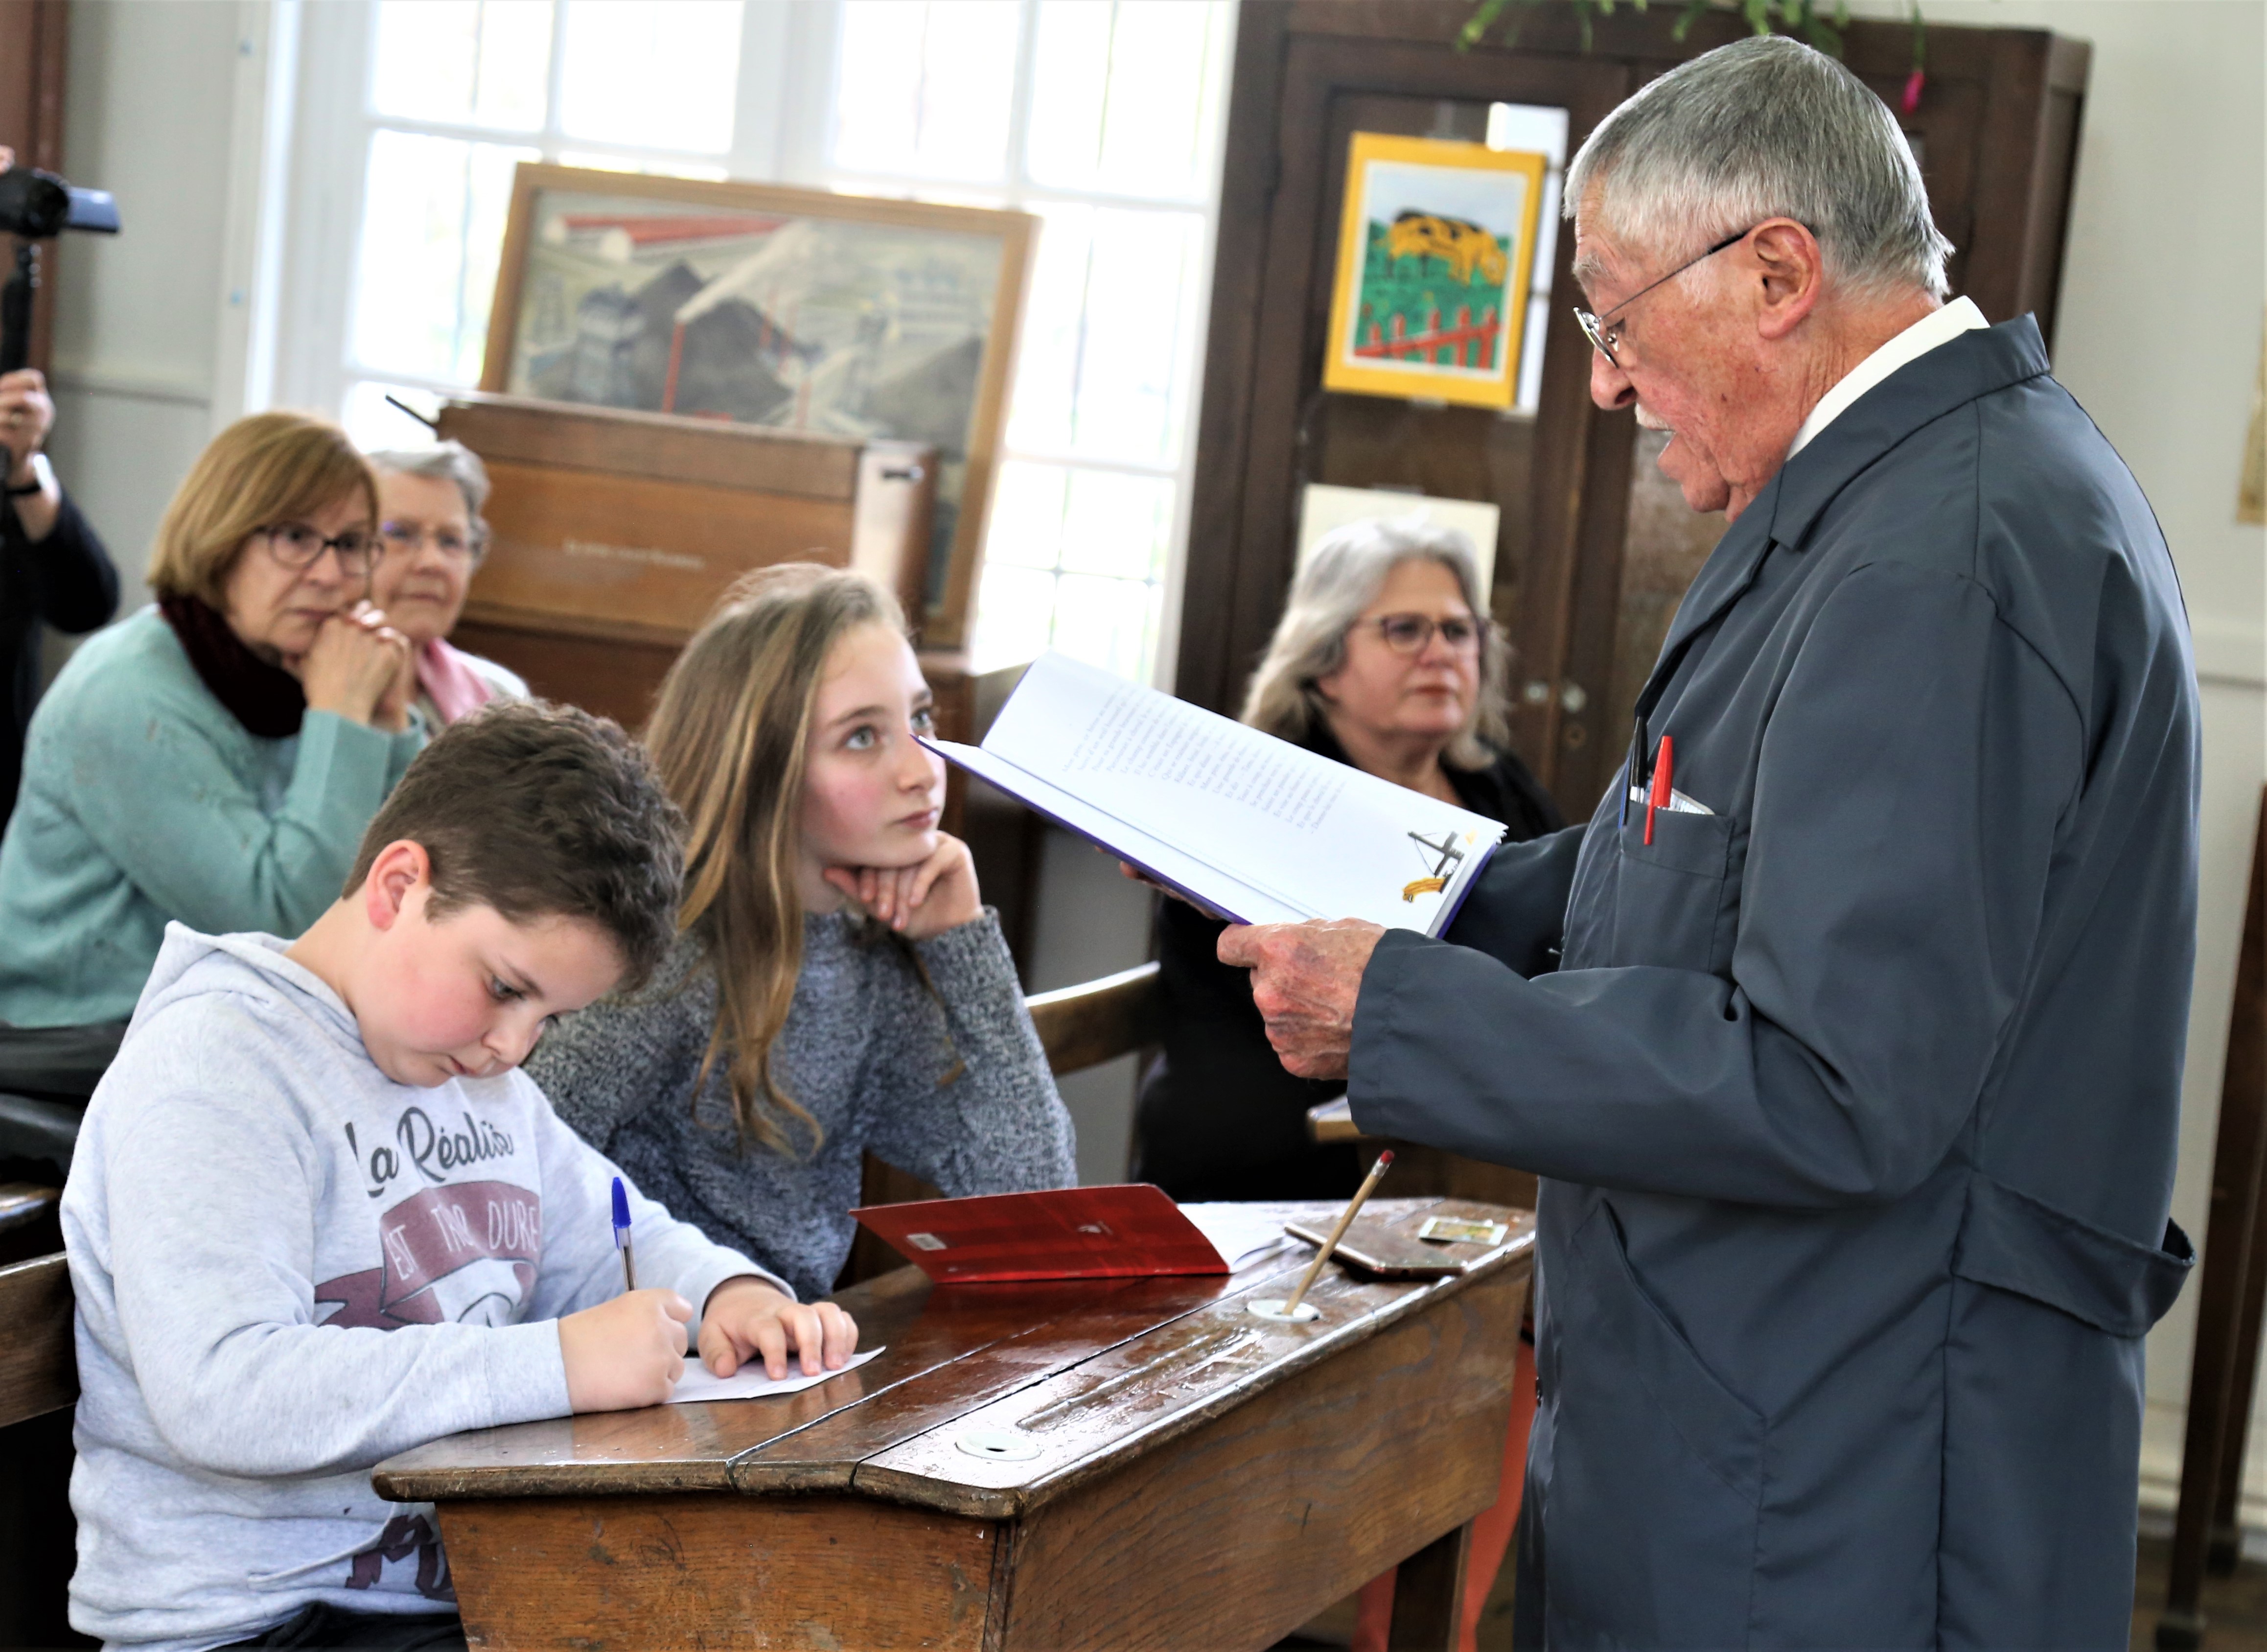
x=1323, y=507
x=750, y=1382
x=1254, y=827
x=1239, y=1235
x=1229, y=895
x=1678, y=802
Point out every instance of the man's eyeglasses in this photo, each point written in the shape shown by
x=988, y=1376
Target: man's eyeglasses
x=403, y=539
x=298, y=546
x=1603, y=337
x=1409, y=633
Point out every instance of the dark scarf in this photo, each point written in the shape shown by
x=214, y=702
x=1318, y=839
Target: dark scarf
x=266, y=699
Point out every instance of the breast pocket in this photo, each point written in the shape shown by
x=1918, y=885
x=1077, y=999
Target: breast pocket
x=1675, y=907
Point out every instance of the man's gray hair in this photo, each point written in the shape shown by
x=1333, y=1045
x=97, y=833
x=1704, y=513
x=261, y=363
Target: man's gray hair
x=446, y=461
x=1342, y=578
x=1765, y=128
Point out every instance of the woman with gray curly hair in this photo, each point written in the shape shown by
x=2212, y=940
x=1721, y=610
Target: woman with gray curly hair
x=432, y=537
x=1383, y=659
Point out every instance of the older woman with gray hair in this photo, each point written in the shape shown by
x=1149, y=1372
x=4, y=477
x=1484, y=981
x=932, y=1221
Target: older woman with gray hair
x=1383, y=659
x=433, y=536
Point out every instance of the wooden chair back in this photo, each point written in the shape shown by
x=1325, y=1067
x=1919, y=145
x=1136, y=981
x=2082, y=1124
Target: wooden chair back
x=38, y=1371
x=1095, y=1021
x=31, y=1223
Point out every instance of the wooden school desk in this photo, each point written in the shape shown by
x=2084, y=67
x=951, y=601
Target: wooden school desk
x=1184, y=1473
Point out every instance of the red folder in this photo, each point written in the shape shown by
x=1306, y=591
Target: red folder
x=1059, y=1233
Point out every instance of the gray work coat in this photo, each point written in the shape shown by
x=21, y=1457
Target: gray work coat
x=1855, y=1099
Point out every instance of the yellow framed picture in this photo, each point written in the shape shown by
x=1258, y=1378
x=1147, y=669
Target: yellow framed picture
x=1435, y=250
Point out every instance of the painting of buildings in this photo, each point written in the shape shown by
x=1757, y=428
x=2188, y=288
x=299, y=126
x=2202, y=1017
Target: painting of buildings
x=800, y=320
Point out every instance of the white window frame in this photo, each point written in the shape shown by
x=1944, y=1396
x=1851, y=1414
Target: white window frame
x=782, y=128
x=1018, y=190
x=787, y=48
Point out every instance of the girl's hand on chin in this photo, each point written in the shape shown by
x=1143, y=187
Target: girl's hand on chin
x=920, y=900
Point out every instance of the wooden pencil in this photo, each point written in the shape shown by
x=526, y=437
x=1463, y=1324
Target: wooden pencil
x=1345, y=1221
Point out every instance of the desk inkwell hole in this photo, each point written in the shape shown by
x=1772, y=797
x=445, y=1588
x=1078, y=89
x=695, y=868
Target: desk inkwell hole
x=999, y=1445
x=1274, y=1308
x=1295, y=1307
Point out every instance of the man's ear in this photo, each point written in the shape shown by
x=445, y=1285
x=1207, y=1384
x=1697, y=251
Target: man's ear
x=401, y=868
x=1793, y=270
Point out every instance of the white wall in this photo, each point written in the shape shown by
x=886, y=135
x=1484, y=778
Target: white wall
x=2158, y=337
x=148, y=114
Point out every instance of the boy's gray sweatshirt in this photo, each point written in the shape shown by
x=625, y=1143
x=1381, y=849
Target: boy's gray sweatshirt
x=289, y=1267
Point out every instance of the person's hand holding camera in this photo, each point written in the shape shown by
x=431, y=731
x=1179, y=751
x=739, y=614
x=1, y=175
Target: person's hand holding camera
x=27, y=413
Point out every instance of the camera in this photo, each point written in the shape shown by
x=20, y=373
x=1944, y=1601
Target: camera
x=35, y=205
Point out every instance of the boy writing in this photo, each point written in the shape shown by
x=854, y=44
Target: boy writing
x=316, y=1216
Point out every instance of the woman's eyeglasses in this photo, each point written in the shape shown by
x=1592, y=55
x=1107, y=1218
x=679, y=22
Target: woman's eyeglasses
x=1409, y=633
x=298, y=546
x=404, y=539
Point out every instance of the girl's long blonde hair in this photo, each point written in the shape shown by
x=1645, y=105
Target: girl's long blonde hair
x=729, y=734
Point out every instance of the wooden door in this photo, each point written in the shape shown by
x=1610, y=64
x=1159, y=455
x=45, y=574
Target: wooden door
x=1596, y=548
x=1268, y=428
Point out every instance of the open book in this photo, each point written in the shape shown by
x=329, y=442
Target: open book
x=1250, y=826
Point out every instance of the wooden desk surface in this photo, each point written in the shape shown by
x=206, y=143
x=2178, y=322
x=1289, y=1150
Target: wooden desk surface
x=1093, y=1371
x=1387, y=1403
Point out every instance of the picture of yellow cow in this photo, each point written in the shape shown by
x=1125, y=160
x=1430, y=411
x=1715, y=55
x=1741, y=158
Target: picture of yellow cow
x=1436, y=250
x=1464, y=247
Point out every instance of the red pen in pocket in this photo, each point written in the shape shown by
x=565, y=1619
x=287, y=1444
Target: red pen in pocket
x=1658, y=798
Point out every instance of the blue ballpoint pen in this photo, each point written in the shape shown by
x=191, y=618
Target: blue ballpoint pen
x=622, y=1234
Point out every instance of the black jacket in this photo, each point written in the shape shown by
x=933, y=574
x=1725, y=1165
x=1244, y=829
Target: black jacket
x=65, y=580
x=1218, y=1116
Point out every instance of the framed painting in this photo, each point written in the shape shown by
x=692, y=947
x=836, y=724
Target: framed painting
x=795, y=309
x=1435, y=247
x=1323, y=508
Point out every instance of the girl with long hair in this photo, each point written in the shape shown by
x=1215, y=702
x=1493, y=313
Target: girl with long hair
x=837, y=986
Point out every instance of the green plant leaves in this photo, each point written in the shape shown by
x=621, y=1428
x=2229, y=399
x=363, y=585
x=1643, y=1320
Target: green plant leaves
x=1807, y=19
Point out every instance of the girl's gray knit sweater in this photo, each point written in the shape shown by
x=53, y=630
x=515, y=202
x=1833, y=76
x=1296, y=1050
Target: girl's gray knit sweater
x=865, y=1052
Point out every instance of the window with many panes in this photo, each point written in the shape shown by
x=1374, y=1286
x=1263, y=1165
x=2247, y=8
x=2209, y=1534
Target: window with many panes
x=1102, y=117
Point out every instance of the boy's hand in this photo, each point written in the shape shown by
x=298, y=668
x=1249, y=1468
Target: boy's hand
x=746, y=1317
x=625, y=1353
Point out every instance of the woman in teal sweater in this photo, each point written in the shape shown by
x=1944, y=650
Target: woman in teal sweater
x=215, y=757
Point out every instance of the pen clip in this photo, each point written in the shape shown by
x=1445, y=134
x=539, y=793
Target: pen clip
x=1638, y=772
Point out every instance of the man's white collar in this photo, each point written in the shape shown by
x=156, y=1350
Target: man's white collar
x=1940, y=325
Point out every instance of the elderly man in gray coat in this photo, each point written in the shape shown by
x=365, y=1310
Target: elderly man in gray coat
x=1855, y=1087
